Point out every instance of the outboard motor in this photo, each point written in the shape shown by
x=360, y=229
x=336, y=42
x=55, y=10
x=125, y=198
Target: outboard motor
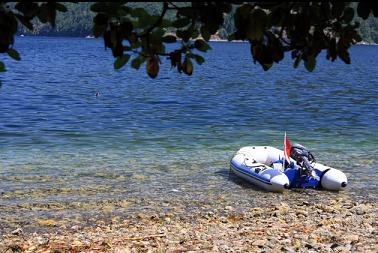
x=304, y=159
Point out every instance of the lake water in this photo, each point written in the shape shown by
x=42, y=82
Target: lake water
x=171, y=139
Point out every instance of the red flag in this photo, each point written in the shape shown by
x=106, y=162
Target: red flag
x=287, y=148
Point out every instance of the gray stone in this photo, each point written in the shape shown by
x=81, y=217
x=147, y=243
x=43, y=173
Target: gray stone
x=17, y=231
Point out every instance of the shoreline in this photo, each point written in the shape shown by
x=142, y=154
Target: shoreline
x=364, y=43
x=341, y=225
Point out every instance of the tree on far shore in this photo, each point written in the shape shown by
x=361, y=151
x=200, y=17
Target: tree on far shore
x=139, y=37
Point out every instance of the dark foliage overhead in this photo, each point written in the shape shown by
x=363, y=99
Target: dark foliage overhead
x=139, y=37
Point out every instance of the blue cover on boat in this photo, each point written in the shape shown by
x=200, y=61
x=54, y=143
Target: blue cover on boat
x=300, y=181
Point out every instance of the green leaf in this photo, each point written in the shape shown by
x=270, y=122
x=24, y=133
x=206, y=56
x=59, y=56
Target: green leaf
x=11, y=24
x=166, y=22
x=310, y=63
x=121, y=61
x=99, y=7
x=42, y=14
x=231, y=37
x=297, y=61
x=337, y=9
x=205, y=33
x=13, y=54
x=47, y=13
x=267, y=66
x=122, y=10
x=169, y=39
x=331, y=50
x=29, y=9
x=51, y=17
x=375, y=10
x=137, y=62
x=201, y=45
x=257, y=23
x=2, y=67
x=60, y=7
x=24, y=21
x=139, y=13
x=136, y=44
x=157, y=35
x=115, y=9
x=100, y=19
x=184, y=35
x=98, y=30
x=344, y=56
x=187, y=66
x=182, y=22
x=190, y=13
x=242, y=12
x=275, y=17
x=348, y=14
x=226, y=7
x=357, y=37
x=363, y=10
x=199, y=59
x=147, y=21
x=342, y=50
x=195, y=34
x=159, y=48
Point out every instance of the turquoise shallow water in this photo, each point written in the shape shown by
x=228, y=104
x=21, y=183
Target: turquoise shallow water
x=173, y=137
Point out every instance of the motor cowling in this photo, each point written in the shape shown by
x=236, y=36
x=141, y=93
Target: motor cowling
x=304, y=158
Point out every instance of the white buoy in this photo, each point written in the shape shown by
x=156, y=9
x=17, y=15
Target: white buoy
x=334, y=180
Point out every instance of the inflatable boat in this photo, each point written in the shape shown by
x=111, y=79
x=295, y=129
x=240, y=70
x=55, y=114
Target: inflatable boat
x=267, y=168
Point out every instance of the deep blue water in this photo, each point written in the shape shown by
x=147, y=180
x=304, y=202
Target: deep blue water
x=144, y=137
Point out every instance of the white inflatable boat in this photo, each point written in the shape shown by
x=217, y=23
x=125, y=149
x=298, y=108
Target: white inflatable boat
x=263, y=166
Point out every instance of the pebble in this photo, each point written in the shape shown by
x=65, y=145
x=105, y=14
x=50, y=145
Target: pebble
x=350, y=238
x=302, y=212
x=125, y=250
x=288, y=249
x=40, y=240
x=224, y=247
x=260, y=242
x=299, y=228
x=17, y=231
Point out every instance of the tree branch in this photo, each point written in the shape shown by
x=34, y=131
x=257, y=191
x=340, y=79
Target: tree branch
x=157, y=23
x=280, y=35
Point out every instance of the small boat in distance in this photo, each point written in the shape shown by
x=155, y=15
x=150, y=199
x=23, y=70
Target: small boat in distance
x=268, y=168
x=89, y=37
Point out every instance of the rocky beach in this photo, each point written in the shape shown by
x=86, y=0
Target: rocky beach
x=295, y=221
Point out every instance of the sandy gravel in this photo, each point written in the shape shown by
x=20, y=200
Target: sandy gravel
x=341, y=225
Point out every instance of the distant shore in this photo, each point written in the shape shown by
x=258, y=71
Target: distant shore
x=211, y=40
x=367, y=43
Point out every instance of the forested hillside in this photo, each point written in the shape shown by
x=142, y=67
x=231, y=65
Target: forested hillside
x=369, y=29
x=77, y=21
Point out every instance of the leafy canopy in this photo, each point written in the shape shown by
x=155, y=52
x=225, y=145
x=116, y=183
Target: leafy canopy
x=139, y=37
